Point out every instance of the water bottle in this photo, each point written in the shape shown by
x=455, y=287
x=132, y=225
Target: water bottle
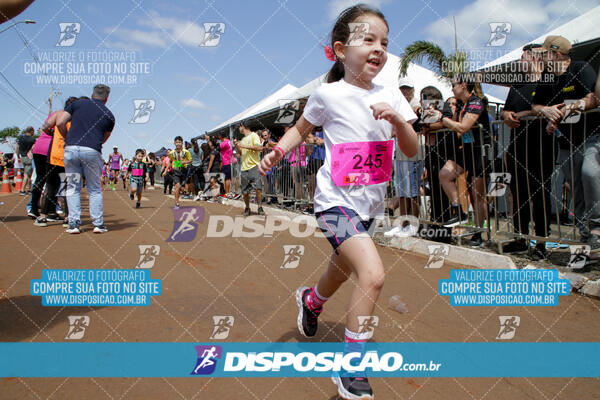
x=396, y=304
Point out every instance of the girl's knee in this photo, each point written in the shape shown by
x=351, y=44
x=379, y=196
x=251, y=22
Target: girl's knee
x=373, y=280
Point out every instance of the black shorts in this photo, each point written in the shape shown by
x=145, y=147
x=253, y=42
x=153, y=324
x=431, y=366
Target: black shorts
x=314, y=165
x=341, y=223
x=179, y=176
x=471, y=160
x=226, y=170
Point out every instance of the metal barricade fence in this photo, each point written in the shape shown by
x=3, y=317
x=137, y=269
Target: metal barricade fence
x=540, y=172
x=509, y=186
x=424, y=187
x=293, y=181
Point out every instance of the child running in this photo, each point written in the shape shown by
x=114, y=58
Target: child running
x=359, y=120
x=180, y=159
x=123, y=175
x=137, y=173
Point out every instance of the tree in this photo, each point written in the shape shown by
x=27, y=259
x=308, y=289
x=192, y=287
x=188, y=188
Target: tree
x=8, y=133
x=445, y=65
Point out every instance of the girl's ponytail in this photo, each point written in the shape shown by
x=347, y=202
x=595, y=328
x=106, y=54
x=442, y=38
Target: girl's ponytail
x=336, y=72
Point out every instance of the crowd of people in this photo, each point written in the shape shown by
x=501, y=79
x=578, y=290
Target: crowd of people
x=325, y=154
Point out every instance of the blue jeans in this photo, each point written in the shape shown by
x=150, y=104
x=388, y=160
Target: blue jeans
x=79, y=162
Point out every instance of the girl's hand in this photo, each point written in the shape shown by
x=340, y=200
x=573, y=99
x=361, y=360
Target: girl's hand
x=386, y=112
x=269, y=161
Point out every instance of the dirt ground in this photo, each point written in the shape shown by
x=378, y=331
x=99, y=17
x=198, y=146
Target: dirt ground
x=242, y=277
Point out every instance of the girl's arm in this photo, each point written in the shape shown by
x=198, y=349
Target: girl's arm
x=292, y=139
x=404, y=132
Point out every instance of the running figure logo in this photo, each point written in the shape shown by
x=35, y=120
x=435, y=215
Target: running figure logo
x=508, y=327
x=574, y=114
x=437, y=255
x=579, y=256
x=499, y=181
x=358, y=32
x=68, y=183
x=186, y=223
x=287, y=111
x=358, y=183
x=77, y=326
x=367, y=324
x=68, y=33
x=142, y=108
x=207, y=359
x=223, y=324
x=212, y=34
x=499, y=32
x=148, y=254
x=291, y=255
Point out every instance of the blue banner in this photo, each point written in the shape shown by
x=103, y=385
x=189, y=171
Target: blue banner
x=225, y=359
x=95, y=287
x=504, y=287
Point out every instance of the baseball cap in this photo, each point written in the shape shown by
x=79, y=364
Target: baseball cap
x=555, y=43
x=531, y=46
x=406, y=81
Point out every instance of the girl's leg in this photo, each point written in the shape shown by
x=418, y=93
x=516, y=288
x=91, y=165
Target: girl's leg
x=360, y=255
x=336, y=274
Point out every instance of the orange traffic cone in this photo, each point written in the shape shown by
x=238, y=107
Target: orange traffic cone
x=18, y=181
x=5, y=182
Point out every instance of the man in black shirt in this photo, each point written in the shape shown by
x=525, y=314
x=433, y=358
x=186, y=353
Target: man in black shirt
x=529, y=159
x=572, y=90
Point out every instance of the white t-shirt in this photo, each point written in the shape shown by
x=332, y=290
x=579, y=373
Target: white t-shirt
x=344, y=112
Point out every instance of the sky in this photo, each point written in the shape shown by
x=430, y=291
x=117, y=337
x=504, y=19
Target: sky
x=160, y=58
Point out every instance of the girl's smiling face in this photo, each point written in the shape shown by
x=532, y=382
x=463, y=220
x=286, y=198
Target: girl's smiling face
x=364, y=59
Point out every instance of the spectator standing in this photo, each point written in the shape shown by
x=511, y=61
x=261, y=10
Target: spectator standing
x=91, y=125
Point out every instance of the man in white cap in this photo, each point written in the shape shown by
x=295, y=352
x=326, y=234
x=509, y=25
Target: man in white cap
x=407, y=87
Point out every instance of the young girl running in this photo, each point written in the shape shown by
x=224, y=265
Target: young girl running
x=137, y=172
x=359, y=120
